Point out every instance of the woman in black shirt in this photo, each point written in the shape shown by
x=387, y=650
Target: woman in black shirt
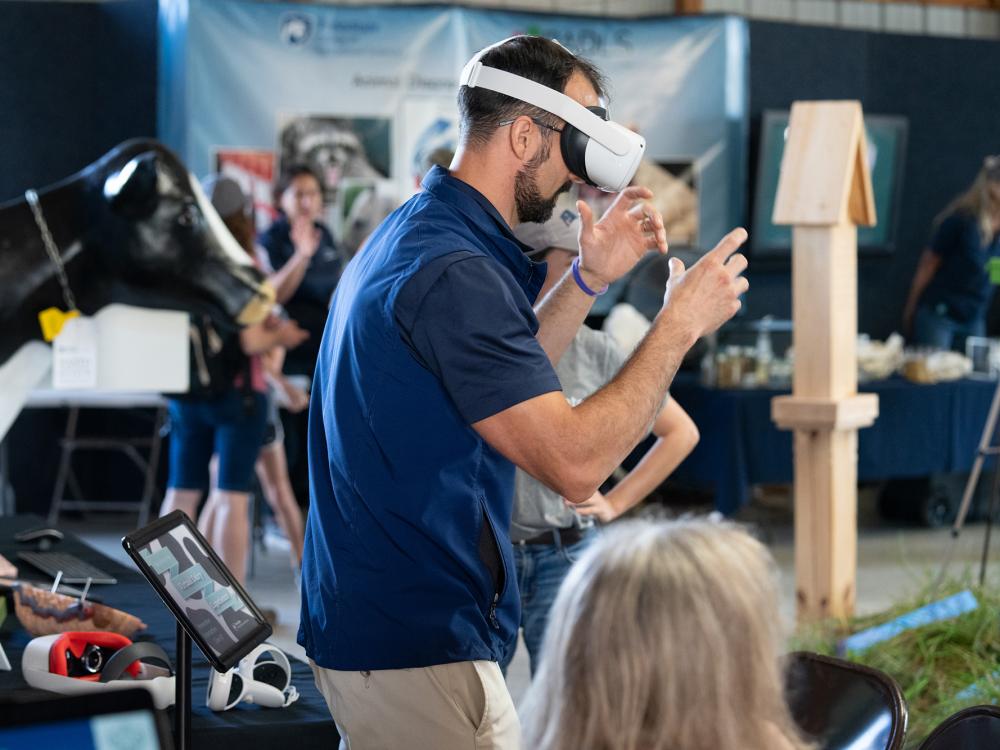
x=299, y=238
x=951, y=289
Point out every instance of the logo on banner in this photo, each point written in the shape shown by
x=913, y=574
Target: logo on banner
x=296, y=29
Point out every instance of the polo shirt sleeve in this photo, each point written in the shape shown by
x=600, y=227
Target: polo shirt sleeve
x=474, y=330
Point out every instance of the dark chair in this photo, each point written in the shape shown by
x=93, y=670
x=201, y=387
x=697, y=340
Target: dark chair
x=976, y=728
x=842, y=705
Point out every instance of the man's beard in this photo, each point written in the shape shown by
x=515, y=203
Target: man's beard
x=528, y=201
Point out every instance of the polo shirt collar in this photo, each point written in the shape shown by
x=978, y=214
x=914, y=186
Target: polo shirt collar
x=508, y=250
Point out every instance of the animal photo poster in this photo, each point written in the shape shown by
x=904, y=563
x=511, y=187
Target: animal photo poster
x=337, y=148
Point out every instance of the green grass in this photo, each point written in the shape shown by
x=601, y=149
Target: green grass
x=933, y=663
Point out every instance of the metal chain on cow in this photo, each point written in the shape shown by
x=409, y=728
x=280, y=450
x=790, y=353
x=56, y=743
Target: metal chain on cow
x=50, y=247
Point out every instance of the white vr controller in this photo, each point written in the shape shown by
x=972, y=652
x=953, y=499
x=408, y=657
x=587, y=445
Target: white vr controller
x=597, y=150
x=262, y=677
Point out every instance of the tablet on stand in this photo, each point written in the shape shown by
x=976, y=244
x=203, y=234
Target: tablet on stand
x=211, y=607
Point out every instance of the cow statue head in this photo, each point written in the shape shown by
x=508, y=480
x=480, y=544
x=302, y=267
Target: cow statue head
x=164, y=245
x=133, y=227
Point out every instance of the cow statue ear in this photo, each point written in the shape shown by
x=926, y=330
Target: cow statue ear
x=132, y=190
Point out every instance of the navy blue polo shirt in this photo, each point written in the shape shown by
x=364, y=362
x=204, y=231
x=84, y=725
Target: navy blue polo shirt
x=407, y=560
x=961, y=287
x=325, y=266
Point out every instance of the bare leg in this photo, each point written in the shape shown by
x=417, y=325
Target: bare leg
x=224, y=522
x=272, y=471
x=206, y=521
x=178, y=499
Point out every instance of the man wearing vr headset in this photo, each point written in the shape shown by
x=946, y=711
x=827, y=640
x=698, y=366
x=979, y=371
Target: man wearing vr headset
x=435, y=379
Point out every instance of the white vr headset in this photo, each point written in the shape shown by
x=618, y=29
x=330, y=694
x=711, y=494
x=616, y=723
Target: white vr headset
x=595, y=149
x=263, y=677
x=126, y=668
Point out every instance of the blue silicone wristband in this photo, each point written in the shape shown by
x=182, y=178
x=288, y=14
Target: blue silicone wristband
x=583, y=284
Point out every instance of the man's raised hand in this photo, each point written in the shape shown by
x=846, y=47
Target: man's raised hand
x=703, y=297
x=629, y=229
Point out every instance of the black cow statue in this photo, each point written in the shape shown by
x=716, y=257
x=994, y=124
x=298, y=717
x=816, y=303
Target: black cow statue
x=133, y=227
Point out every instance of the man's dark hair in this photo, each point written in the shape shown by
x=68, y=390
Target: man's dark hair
x=288, y=174
x=533, y=57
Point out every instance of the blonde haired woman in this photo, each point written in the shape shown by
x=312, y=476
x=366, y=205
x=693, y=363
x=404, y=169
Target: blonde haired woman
x=664, y=636
x=951, y=290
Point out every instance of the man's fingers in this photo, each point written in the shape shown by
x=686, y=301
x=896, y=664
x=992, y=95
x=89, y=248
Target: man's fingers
x=676, y=266
x=742, y=285
x=644, y=212
x=651, y=218
x=737, y=264
x=656, y=241
x=650, y=222
x=635, y=193
x=586, y=217
x=661, y=241
x=638, y=210
x=729, y=244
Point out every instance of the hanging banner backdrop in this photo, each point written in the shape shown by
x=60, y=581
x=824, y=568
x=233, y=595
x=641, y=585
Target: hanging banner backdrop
x=367, y=96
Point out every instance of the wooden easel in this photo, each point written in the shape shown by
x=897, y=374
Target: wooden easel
x=824, y=192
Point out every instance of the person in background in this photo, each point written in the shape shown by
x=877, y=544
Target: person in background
x=272, y=464
x=231, y=425
x=301, y=248
x=548, y=532
x=951, y=288
x=664, y=636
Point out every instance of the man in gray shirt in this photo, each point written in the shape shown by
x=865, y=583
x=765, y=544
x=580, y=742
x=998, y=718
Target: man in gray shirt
x=548, y=532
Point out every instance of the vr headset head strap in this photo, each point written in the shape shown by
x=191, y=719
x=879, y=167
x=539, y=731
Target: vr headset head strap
x=124, y=658
x=552, y=101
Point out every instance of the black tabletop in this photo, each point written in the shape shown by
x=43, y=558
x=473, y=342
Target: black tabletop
x=306, y=723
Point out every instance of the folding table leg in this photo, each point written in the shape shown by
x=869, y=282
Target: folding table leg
x=151, y=467
x=62, y=476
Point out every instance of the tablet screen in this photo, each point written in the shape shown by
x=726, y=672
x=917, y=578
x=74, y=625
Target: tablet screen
x=200, y=589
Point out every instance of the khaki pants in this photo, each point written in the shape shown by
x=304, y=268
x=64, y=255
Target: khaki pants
x=459, y=706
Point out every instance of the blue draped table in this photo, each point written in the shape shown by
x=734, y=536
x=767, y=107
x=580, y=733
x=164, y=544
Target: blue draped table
x=304, y=725
x=921, y=430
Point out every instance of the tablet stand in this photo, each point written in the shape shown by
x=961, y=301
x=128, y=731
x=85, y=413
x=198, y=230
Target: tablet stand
x=182, y=686
x=204, y=570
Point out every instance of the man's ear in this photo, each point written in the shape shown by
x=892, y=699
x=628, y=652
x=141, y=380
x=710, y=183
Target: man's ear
x=521, y=138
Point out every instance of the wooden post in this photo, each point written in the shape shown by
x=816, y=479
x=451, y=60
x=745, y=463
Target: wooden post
x=824, y=192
